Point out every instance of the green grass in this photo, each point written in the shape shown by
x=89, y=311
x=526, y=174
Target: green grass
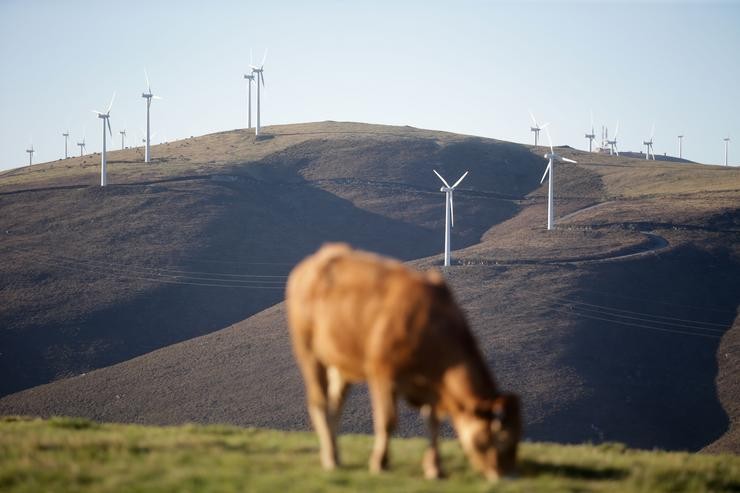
x=71, y=454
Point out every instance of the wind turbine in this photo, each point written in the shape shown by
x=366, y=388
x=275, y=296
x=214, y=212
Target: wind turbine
x=649, y=144
x=536, y=129
x=123, y=137
x=106, y=121
x=551, y=157
x=66, y=137
x=30, y=152
x=449, y=211
x=82, y=144
x=148, y=96
x=258, y=72
x=250, y=78
x=613, y=143
x=727, y=143
x=592, y=135
x=680, y=146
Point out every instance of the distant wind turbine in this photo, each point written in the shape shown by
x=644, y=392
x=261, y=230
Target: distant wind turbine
x=551, y=157
x=449, y=211
x=649, y=144
x=591, y=136
x=82, y=144
x=258, y=72
x=66, y=137
x=148, y=96
x=123, y=137
x=30, y=152
x=250, y=78
x=727, y=144
x=613, y=143
x=106, y=121
x=680, y=146
x=536, y=129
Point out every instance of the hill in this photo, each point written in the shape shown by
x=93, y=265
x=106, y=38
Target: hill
x=66, y=454
x=608, y=326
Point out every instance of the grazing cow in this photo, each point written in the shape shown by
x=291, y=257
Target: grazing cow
x=355, y=316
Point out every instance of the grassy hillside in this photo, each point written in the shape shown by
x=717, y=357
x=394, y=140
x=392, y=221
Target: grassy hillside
x=69, y=454
x=609, y=326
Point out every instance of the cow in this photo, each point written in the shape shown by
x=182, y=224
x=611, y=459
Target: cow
x=355, y=317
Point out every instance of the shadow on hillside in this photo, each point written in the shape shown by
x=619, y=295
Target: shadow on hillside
x=645, y=339
x=270, y=218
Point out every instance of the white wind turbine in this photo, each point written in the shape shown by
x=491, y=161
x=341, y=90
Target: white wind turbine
x=680, y=146
x=250, y=78
x=30, y=152
x=727, y=144
x=82, y=144
x=449, y=211
x=258, y=72
x=66, y=138
x=591, y=136
x=536, y=129
x=123, y=138
x=649, y=144
x=148, y=96
x=550, y=170
x=613, y=143
x=106, y=121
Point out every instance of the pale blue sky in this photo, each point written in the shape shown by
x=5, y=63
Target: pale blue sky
x=472, y=67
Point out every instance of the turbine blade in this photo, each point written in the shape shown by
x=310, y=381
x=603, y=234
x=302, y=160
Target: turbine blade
x=592, y=121
x=111, y=103
x=263, y=59
x=440, y=177
x=460, y=179
x=549, y=140
x=568, y=160
x=617, y=132
x=107, y=120
x=533, y=118
x=157, y=97
x=262, y=76
x=452, y=211
x=96, y=112
x=148, y=85
x=547, y=170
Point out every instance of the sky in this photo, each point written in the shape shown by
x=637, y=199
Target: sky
x=471, y=67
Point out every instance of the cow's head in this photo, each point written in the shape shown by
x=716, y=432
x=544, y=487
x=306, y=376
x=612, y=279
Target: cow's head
x=490, y=435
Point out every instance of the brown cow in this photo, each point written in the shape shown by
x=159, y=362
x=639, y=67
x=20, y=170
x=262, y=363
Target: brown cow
x=355, y=316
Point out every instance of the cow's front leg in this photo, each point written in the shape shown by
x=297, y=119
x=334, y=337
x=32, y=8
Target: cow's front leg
x=431, y=462
x=315, y=377
x=384, y=421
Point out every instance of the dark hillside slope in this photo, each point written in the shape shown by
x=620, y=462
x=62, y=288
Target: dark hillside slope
x=205, y=235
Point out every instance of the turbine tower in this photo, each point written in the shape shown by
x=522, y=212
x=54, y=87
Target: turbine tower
x=727, y=143
x=148, y=96
x=30, y=152
x=66, y=137
x=250, y=78
x=649, y=144
x=82, y=146
x=536, y=129
x=449, y=211
x=550, y=172
x=106, y=121
x=258, y=72
x=680, y=146
x=123, y=137
x=591, y=136
x=613, y=143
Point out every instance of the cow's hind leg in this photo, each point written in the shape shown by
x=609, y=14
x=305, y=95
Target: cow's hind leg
x=384, y=420
x=431, y=462
x=315, y=376
x=338, y=387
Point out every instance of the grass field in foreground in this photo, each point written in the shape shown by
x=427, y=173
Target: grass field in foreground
x=70, y=454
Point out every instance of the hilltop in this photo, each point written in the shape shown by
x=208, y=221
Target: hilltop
x=608, y=326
